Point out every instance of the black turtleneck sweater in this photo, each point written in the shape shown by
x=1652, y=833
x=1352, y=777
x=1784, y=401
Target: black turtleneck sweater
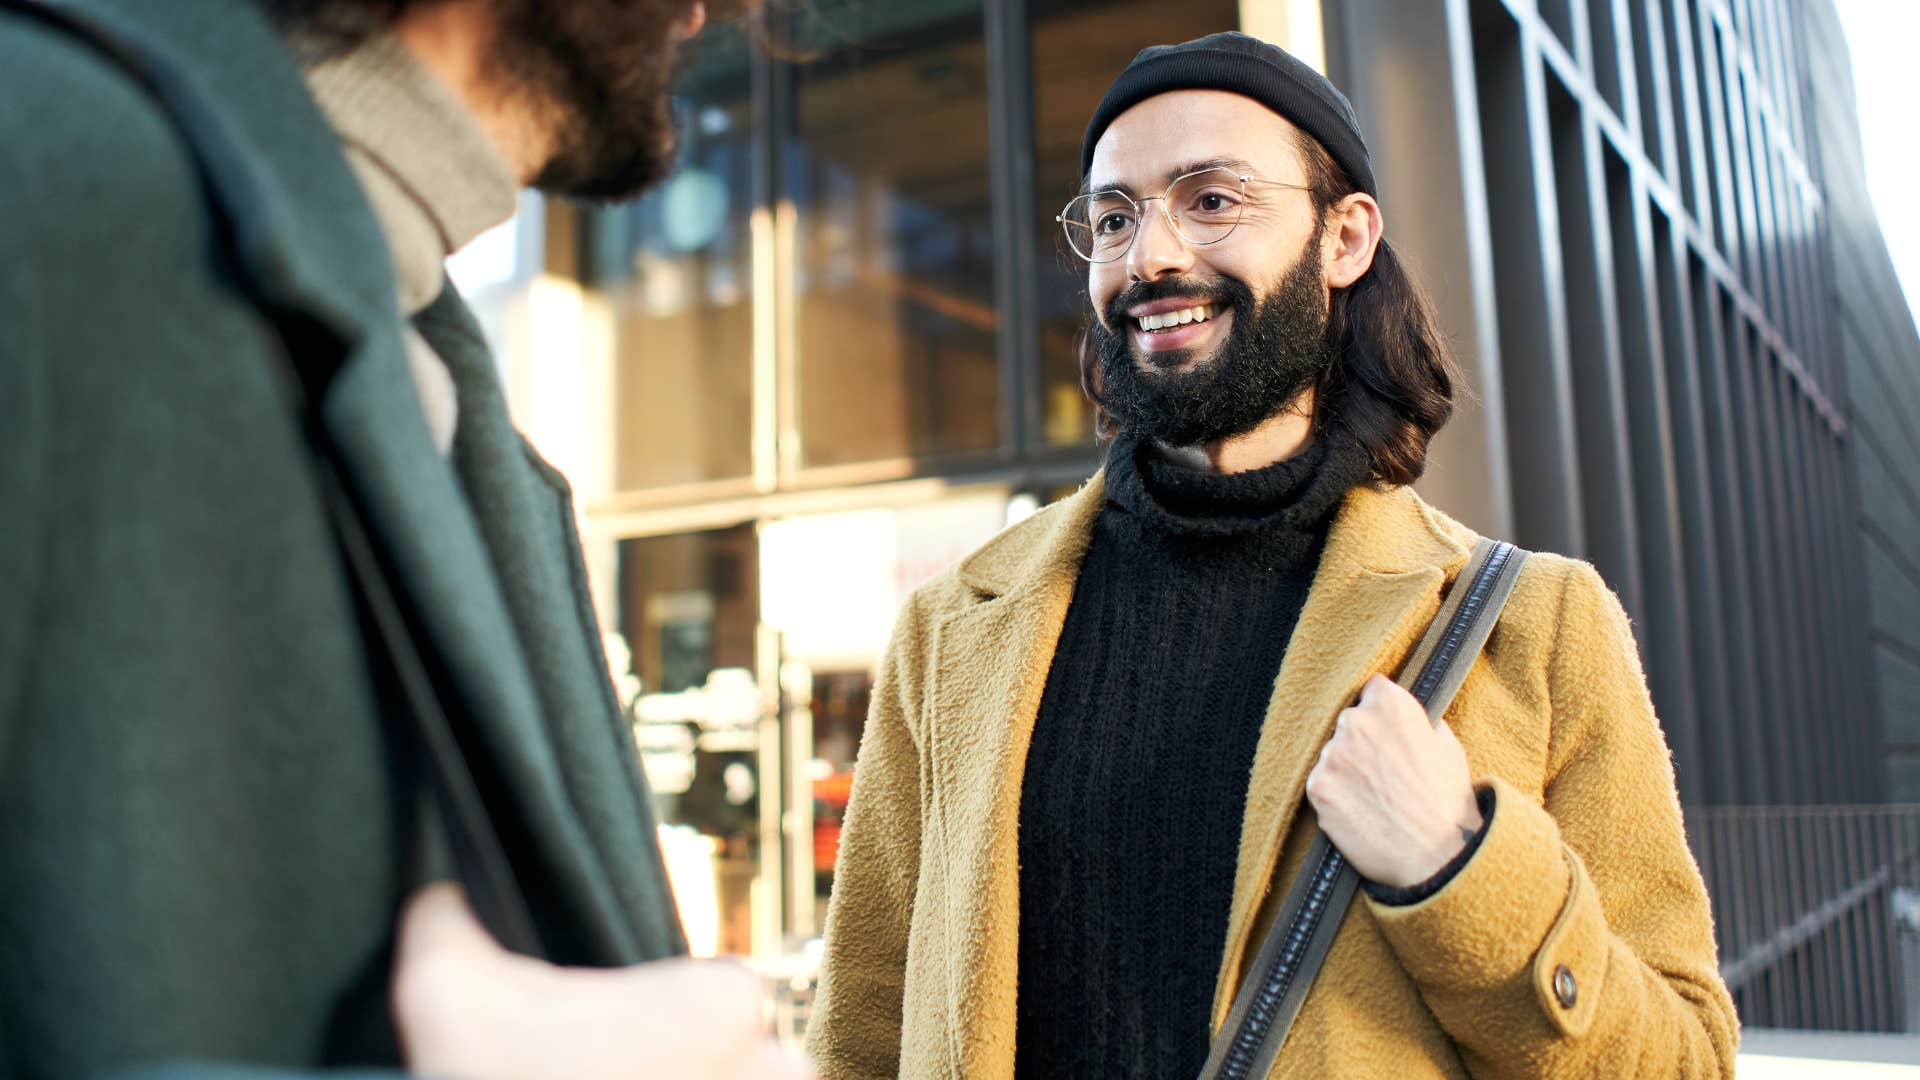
x=1137, y=776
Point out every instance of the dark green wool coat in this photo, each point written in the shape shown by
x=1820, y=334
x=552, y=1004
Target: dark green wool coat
x=207, y=825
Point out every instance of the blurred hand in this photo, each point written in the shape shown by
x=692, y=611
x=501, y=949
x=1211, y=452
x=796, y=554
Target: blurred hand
x=467, y=1009
x=1393, y=791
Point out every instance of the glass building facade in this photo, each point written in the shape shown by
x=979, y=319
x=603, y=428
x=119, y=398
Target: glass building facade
x=836, y=351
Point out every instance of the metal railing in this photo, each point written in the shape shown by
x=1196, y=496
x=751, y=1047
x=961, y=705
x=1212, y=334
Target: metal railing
x=1816, y=912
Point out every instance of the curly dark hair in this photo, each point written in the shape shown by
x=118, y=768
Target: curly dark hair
x=1392, y=381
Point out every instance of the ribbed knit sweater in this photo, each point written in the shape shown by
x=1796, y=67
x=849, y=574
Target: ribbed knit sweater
x=1136, y=778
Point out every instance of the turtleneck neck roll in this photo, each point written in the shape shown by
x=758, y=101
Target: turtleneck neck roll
x=1286, y=498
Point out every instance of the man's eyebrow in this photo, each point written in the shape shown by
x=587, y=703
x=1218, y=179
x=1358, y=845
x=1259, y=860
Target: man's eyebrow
x=1175, y=173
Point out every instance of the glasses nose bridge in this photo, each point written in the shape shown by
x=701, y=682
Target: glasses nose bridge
x=1148, y=258
x=1165, y=199
x=1166, y=211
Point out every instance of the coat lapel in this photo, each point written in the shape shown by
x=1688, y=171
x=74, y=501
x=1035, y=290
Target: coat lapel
x=1380, y=582
x=526, y=517
x=308, y=244
x=991, y=661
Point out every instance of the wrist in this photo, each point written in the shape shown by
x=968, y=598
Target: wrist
x=1400, y=896
x=1448, y=841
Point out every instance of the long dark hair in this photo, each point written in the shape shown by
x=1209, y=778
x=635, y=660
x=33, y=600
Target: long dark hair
x=1391, y=383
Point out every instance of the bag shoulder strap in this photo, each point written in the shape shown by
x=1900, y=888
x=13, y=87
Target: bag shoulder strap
x=480, y=859
x=1296, y=946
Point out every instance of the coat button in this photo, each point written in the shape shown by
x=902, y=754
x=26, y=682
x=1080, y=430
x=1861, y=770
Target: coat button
x=1564, y=988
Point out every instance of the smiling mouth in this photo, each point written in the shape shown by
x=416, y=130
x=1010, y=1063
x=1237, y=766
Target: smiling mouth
x=1168, y=320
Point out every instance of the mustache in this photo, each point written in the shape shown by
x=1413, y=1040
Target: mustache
x=1232, y=291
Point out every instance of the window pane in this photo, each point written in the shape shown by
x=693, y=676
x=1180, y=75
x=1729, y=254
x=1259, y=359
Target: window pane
x=676, y=271
x=887, y=170
x=1078, y=48
x=688, y=612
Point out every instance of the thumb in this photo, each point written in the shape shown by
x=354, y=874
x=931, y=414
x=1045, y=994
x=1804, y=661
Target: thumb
x=438, y=919
x=1376, y=685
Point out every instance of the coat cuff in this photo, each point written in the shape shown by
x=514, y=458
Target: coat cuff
x=1513, y=926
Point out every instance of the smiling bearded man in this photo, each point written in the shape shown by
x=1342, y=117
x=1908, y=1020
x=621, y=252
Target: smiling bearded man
x=1100, y=747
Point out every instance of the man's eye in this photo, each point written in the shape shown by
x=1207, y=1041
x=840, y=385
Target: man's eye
x=1214, y=202
x=1113, y=223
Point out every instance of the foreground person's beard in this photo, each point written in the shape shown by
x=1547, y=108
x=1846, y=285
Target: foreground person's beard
x=598, y=74
x=1276, y=349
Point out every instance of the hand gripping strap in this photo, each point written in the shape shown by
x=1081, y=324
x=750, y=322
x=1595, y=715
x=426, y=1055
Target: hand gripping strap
x=1276, y=986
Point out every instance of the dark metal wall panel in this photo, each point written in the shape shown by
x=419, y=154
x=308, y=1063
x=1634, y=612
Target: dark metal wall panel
x=1593, y=348
x=1674, y=405
x=1704, y=630
x=1659, y=539
x=1427, y=157
x=1866, y=332
x=1747, y=668
x=1536, y=384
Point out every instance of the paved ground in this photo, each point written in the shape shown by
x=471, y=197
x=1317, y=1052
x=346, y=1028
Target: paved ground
x=1773, y=1054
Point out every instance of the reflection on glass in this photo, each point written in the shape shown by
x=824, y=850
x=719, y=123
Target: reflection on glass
x=1078, y=48
x=887, y=170
x=688, y=609
x=839, y=709
x=676, y=269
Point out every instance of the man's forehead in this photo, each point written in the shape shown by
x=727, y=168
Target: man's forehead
x=1132, y=184
x=1176, y=132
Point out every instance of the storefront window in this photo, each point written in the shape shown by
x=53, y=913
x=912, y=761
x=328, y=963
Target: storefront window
x=688, y=616
x=676, y=271
x=1078, y=48
x=887, y=173
x=831, y=587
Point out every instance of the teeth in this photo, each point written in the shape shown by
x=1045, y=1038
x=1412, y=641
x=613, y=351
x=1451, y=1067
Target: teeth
x=1178, y=318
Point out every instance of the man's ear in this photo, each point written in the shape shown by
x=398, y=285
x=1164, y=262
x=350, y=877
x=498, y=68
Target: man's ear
x=1354, y=228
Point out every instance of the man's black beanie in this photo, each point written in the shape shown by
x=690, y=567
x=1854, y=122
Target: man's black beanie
x=1240, y=64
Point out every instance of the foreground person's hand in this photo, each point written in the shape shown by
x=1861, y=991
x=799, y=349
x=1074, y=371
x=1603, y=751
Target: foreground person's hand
x=466, y=1009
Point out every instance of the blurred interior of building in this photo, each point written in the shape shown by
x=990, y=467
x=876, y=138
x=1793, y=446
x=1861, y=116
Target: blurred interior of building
x=836, y=351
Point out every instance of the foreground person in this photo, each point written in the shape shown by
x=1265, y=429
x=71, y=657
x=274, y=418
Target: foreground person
x=221, y=832
x=1100, y=746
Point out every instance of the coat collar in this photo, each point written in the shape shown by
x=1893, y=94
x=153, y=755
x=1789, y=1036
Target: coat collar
x=1387, y=557
x=1375, y=532
x=301, y=225
x=307, y=243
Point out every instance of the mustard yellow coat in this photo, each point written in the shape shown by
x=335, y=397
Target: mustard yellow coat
x=1584, y=864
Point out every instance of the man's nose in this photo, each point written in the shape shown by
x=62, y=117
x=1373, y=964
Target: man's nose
x=1158, y=250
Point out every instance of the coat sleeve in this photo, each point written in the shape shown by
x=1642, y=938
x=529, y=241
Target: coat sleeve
x=1577, y=941
x=856, y=1026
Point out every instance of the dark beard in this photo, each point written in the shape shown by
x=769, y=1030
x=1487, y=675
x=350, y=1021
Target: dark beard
x=1277, y=349
x=599, y=74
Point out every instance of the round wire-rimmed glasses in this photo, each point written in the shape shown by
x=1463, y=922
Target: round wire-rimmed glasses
x=1203, y=207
